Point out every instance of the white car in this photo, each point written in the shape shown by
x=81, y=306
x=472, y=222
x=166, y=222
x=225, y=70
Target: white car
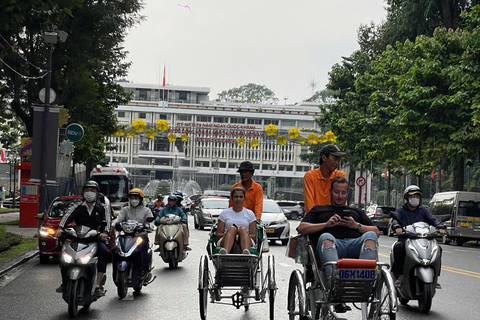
x=276, y=223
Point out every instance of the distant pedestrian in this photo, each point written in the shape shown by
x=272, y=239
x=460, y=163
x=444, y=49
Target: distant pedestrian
x=1, y=197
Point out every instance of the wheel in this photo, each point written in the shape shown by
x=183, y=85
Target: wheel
x=200, y=224
x=297, y=301
x=195, y=222
x=385, y=232
x=425, y=297
x=138, y=289
x=385, y=298
x=284, y=242
x=203, y=287
x=44, y=259
x=294, y=215
x=122, y=284
x=72, y=299
x=172, y=262
x=446, y=240
x=460, y=242
x=272, y=286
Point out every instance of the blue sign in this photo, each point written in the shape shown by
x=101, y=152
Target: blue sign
x=74, y=132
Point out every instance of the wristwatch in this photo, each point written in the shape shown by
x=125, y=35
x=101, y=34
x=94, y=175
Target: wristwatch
x=359, y=226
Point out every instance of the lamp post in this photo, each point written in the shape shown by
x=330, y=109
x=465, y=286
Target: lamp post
x=215, y=174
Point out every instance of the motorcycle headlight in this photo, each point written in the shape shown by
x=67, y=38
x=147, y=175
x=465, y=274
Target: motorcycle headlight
x=66, y=257
x=86, y=258
x=139, y=241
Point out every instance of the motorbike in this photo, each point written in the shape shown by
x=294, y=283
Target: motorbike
x=422, y=264
x=127, y=257
x=169, y=237
x=79, y=267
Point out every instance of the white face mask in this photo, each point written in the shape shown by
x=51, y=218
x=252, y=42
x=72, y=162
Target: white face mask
x=90, y=196
x=134, y=202
x=414, y=202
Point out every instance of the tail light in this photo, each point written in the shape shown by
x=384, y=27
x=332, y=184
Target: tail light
x=98, y=170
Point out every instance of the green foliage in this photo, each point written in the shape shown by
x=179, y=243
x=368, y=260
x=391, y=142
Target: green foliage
x=8, y=239
x=225, y=187
x=249, y=93
x=163, y=187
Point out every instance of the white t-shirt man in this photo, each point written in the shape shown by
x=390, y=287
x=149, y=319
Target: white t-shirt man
x=240, y=219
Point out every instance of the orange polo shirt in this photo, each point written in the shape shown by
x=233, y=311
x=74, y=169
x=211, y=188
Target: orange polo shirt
x=316, y=189
x=253, y=198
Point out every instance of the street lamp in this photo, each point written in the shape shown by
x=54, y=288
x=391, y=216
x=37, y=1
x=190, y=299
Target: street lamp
x=215, y=174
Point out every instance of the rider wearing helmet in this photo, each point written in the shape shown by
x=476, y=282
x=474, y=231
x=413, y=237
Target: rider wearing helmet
x=412, y=211
x=90, y=213
x=136, y=210
x=159, y=202
x=172, y=208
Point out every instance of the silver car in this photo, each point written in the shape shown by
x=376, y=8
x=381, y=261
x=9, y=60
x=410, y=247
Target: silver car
x=207, y=211
x=276, y=223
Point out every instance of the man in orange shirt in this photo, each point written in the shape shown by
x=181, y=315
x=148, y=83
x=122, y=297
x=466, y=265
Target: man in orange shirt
x=254, y=191
x=316, y=183
x=159, y=202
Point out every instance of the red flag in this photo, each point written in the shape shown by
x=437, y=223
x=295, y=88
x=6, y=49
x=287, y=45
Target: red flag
x=433, y=174
x=441, y=175
x=164, y=75
x=386, y=173
x=2, y=157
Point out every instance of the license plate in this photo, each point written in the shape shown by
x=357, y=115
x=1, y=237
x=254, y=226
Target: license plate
x=386, y=219
x=464, y=224
x=270, y=230
x=356, y=274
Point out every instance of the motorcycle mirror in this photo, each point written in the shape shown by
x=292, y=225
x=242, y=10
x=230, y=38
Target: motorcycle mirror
x=395, y=215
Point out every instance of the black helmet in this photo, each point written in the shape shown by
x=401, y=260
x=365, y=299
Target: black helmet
x=411, y=190
x=91, y=183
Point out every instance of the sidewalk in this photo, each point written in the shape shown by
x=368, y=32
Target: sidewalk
x=24, y=232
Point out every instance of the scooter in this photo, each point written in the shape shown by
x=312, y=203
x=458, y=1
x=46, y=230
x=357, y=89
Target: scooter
x=127, y=257
x=79, y=267
x=169, y=237
x=422, y=264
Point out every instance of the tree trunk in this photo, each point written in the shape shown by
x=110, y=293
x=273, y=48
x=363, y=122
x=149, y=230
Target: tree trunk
x=438, y=180
x=447, y=14
x=88, y=168
x=458, y=174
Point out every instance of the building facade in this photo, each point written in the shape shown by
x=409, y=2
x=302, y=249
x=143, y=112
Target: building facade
x=212, y=154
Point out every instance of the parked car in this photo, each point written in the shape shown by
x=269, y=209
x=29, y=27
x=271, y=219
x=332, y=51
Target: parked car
x=292, y=209
x=381, y=217
x=207, y=210
x=276, y=223
x=8, y=202
x=48, y=245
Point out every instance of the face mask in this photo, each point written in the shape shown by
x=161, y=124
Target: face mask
x=414, y=202
x=89, y=196
x=134, y=203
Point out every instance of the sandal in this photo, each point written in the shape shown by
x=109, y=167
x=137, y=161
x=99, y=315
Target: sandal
x=398, y=283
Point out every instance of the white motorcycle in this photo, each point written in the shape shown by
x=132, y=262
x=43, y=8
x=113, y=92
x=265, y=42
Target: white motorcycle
x=170, y=237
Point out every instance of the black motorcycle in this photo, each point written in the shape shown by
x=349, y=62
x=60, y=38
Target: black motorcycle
x=128, y=270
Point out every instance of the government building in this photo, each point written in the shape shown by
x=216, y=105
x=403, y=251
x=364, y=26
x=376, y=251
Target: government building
x=211, y=149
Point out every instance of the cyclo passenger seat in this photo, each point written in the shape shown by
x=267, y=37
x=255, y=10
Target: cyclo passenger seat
x=353, y=280
x=212, y=247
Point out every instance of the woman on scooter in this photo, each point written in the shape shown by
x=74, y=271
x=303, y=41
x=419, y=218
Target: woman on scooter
x=172, y=208
x=410, y=213
x=236, y=224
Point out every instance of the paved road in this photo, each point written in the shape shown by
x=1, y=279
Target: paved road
x=29, y=292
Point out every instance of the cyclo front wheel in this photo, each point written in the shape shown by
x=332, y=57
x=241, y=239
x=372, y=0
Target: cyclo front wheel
x=385, y=294
x=272, y=286
x=203, y=286
x=297, y=302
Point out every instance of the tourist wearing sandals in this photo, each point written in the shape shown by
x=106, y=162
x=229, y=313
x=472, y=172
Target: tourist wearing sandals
x=236, y=224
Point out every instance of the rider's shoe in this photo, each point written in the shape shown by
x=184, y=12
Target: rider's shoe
x=246, y=251
x=222, y=251
x=59, y=289
x=187, y=248
x=438, y=286
x=157, y=250
x=342, y=308
x=99, y=291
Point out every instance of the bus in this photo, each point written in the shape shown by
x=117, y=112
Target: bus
x=114, y=183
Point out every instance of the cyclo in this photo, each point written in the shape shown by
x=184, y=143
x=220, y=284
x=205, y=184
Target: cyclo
x=311, y=295
x=239, y=273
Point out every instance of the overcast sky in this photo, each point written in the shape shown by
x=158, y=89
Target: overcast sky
x=223, y=44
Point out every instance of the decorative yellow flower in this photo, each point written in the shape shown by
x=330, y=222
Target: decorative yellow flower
x=139, y=125
x=294, y=133
x=331, y=136
x=120, y=133
x=271, y=130
x=322, y=138
x=151, y=134
x=162, y=125
x=172, y=137
x=184, y=137
x=302, y=141
x=130, y=133
x=241, y=141
x=281, y=140
x=312, y=138
x=254, y=143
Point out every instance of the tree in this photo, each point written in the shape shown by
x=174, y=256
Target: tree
x=249, y=93
x=84, y=68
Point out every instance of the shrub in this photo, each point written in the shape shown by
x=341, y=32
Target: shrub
x=8, y=239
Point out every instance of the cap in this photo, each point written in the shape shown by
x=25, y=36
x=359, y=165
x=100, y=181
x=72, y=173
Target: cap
x=332, y=149
x=246, y=166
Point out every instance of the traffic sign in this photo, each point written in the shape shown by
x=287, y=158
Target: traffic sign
x=74, y=132
x=42, y=95
x=361, y=181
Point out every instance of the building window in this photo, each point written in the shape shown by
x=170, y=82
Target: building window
x=204, y=119
x=288, y=123
x=254, y=121
x=163, y=116
x=142, y=115
x=270, y=121
x=233, y=165
x=220, y=120
x=121, y=114
x=237, y=120
x=182, y=96
x=184, y=117
x=305, y=124
x=142, y=94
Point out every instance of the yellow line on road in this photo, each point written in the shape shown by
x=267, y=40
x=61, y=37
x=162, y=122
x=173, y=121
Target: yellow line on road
x=449, y=269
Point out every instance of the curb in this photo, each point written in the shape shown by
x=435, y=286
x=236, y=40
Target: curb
x=17, y=261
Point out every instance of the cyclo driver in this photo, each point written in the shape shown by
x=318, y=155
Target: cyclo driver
x=136, y=211
x=90, y=213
